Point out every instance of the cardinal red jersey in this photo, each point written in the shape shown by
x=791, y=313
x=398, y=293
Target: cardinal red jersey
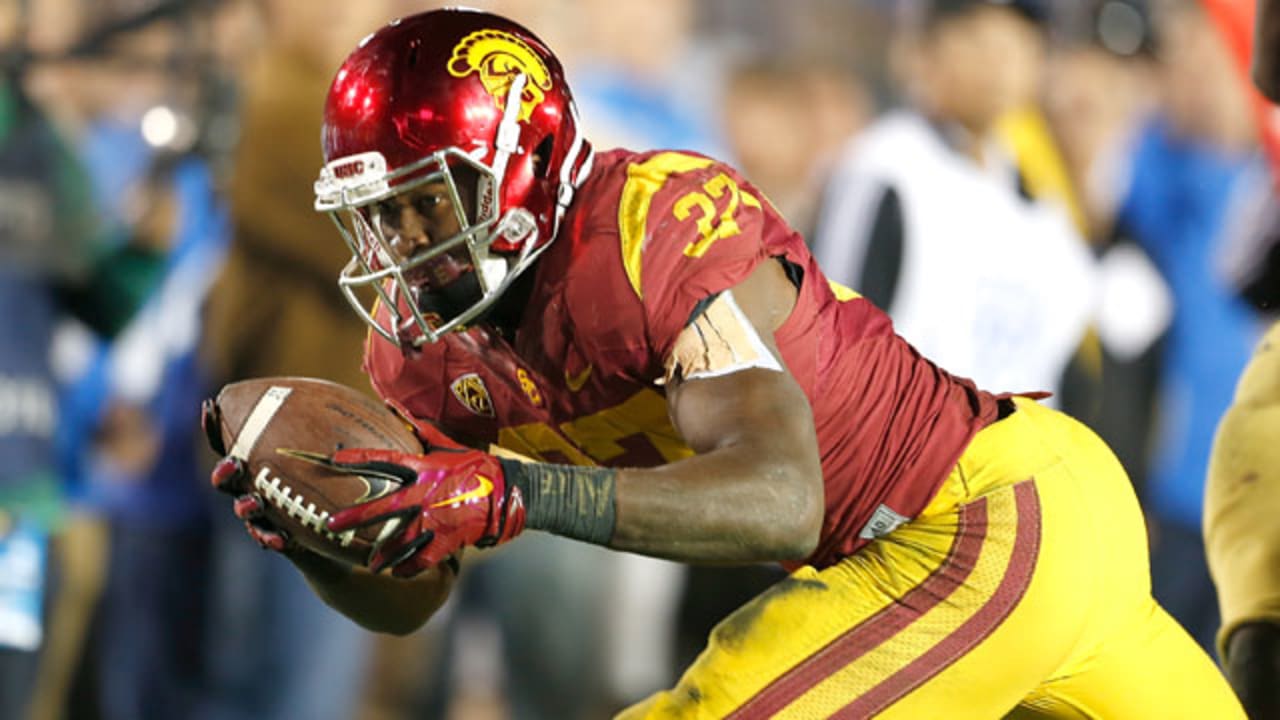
x=650, y=237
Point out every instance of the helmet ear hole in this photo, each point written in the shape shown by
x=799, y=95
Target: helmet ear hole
x=542, y=157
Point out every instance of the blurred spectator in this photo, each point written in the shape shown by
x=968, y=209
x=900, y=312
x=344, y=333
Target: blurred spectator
x=924, y=217
x=806, y=108
x=47, y=243
x=141, y=463
x=1194, y=172
x=840, y=104
x=1043, y=176
x=640, y=77
x=1042, y=172
x=1097, y=91
x=132, y=556
x=140, y=457
x=37, y=204
x=1098, y=83
x=277, y=651
x=765, y=100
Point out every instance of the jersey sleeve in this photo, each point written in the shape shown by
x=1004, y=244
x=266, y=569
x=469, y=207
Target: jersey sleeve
x=690, y=228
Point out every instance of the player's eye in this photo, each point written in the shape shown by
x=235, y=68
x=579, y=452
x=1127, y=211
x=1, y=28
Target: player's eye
x=427, y=203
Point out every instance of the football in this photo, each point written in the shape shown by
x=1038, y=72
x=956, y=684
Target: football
x=282, y=428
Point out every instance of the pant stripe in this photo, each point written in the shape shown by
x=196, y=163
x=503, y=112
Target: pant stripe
x=982, y=623
x=871, y=632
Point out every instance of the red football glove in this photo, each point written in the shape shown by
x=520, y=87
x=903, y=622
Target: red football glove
x=452, y=498
x=229, y=477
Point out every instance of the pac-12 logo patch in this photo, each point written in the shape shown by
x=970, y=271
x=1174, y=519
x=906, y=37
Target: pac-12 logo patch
x=497, y=57
x=471, y=392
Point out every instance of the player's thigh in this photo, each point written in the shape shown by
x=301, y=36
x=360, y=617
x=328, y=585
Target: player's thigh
x=1152, y=669
x=1032, y=620
x=934, y=620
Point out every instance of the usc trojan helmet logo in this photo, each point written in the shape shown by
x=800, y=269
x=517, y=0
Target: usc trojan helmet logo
x=497, y=57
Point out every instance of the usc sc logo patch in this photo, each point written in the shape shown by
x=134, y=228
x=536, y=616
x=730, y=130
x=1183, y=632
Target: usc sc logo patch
x=529, y=388
x=474, y=396
x=497, y=57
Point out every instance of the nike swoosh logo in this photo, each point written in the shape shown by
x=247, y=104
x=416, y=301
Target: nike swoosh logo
x=576, y=382
x=376, y=485
x=482, y=490
x=384, y=488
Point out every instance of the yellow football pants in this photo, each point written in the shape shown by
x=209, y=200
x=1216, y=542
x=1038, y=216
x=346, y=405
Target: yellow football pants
x=1021, y=591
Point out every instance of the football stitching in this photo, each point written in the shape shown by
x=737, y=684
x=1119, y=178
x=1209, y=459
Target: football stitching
x=290, y=502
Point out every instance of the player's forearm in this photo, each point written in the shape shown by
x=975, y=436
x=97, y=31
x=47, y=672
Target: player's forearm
x=728, y=505
x=736, y=504
x=755, y=499
x=379, y=603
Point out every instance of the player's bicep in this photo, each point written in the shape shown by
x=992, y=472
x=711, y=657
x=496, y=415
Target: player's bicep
x=726, y=378
x=719, y=340
x=733, y=330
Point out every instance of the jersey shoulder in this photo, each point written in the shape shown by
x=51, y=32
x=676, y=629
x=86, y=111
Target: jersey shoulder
x=683, y=227
x=682, y=216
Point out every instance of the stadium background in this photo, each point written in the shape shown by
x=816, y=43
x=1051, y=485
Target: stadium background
x=186, y=141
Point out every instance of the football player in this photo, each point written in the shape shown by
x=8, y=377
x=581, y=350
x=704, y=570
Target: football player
x=656, y=343
x=1241, y=541
x=1241, y=531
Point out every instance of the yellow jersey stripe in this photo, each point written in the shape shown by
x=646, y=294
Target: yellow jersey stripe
x=644, y=180
x=843, y=294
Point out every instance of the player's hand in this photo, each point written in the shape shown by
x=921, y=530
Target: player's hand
x=229, y=476
x=452, y=498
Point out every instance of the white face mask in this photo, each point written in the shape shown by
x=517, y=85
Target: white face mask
x=398, y=279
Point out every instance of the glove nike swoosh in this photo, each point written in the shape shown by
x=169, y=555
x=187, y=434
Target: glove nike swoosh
x=482, y=490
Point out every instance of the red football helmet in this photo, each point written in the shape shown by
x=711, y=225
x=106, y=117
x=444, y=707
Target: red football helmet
x=470, y=104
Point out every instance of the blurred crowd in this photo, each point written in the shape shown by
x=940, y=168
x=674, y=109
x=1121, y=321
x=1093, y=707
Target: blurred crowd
x=1068, y=196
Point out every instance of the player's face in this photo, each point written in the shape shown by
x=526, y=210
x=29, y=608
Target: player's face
x=414, y=221
x=970, y=76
